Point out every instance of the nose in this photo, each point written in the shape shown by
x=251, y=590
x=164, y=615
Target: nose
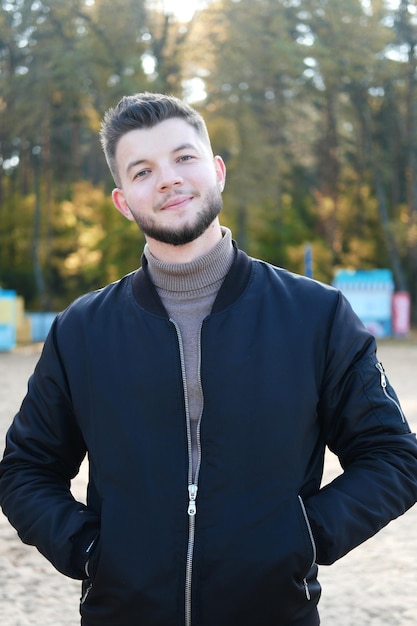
x=169, y=177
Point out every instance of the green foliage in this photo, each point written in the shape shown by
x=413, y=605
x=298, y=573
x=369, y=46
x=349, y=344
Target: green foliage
x=312, y=105
x=92, y=243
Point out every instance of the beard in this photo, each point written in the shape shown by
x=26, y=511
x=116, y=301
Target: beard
x=211, y=206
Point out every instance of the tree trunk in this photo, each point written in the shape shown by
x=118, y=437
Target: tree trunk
x=360, y=102
x=36, y=237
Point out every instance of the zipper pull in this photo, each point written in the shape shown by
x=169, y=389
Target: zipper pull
x=306, y=589
x=192, y=492
x=85, y=594
x=381, y=370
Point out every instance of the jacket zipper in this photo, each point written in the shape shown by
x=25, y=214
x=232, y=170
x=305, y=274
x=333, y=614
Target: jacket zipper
x=383, y=380
x=192, y=480
x=313, y=545
x=192, y=491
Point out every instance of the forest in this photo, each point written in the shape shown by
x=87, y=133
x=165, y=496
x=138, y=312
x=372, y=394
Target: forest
x=311, y=103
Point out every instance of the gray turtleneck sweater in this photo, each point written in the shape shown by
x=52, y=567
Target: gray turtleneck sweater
x=188, y=291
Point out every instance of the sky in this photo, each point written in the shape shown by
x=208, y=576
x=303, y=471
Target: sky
x=182, y=9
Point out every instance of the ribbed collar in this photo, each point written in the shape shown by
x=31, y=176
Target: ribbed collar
x=196, y=275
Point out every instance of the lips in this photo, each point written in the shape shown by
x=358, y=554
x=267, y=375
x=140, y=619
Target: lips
x=175, y=202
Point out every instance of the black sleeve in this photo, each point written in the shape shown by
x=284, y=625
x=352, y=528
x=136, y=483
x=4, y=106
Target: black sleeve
x=44, y=450
x=363, y=424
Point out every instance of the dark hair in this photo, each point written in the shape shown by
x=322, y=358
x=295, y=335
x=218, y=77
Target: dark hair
x=144, y=110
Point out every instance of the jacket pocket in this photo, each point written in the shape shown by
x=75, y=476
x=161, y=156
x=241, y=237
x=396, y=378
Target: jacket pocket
x=90, y=568
x=388, y=391
x=312, y=544
x=252, y=560
x=382, y=397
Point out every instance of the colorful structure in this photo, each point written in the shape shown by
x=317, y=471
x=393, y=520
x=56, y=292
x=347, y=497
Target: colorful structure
x=370, y=292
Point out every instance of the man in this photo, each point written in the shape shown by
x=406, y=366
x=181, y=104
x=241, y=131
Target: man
x=204, y=388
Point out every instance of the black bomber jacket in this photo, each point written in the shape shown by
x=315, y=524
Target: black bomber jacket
x=286, y=369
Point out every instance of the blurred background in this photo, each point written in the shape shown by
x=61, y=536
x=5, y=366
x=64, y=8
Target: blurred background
x=312, y=104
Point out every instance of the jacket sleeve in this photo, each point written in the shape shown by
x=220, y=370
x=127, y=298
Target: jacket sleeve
x=44, y=450
x=363, y=424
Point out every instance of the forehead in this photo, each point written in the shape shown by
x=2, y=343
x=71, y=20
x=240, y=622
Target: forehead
x=163, y=138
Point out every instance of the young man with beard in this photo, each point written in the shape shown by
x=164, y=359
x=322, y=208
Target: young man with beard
x=204, y=388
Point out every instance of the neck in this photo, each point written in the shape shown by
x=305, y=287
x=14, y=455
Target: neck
x=189, y=252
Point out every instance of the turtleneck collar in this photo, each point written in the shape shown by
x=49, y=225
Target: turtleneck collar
x=196, y=275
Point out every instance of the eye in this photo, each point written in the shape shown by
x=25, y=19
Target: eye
x=141, y=174
x=185, y=157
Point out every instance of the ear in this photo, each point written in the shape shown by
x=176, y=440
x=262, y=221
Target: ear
x=121, y=204
x=220, y=168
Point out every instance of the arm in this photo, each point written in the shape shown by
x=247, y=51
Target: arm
x=364, y=426
x=44, y=450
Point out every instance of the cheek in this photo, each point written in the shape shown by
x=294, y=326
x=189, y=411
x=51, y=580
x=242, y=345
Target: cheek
x=140, y=199
x=207, y=182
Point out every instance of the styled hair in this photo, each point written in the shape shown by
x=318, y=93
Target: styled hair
x=144, y=110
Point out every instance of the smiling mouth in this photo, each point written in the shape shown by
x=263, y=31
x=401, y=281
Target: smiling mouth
x=176, y=202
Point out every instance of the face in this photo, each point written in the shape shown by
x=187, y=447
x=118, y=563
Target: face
x=171, y=184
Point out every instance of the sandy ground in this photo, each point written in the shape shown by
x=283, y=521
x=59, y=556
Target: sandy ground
x=374, y=585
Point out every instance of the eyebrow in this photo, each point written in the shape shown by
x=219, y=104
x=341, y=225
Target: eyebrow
x=184, y=146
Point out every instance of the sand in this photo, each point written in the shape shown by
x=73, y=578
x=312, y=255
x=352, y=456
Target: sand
x=374, y=585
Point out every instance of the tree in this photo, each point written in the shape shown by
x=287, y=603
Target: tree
x=405, y=26
x=255, y=96
x=312, y=104
x=62, y=64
